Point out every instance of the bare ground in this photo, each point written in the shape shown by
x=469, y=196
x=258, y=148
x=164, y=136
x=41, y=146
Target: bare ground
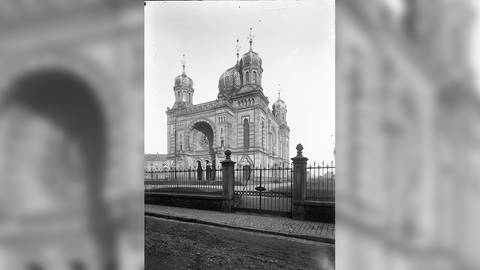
x=172, y=244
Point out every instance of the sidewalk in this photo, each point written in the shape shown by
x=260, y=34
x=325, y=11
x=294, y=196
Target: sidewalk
x=315, y=231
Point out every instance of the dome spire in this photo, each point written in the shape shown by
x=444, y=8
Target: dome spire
x=278, y=91
x=183, y=61
x=250, y=37
x=237, y=48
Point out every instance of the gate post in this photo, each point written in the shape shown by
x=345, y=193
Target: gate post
x=228, y=176
x=299, y=184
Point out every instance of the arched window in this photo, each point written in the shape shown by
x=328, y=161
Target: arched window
x=246, y=133
x=254, y=79
x=269, y=146
x=247, y=77
x=274, y=144
x=280, y=148
x=181, y=142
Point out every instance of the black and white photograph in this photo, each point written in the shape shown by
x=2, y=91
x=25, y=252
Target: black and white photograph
x=239, y=135
x=326, y=134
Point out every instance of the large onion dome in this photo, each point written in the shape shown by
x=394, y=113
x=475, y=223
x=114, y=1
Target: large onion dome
x=229, y=80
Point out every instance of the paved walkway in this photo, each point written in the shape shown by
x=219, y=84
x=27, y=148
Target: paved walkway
x=251, y=222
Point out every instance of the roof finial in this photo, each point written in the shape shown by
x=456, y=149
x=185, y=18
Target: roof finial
x=278, y=91
x=250, y=37
x=183, y=63
x=237, y=48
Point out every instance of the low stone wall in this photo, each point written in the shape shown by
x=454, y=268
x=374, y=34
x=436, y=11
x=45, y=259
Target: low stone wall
x=319, y=211
x=197, y=201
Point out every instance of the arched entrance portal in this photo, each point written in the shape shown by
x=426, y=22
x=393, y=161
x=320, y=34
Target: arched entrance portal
x=202, y=141
x=52, y=155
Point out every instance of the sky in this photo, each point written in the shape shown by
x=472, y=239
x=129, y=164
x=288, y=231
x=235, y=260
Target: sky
x=475, y=43
x=296, y=41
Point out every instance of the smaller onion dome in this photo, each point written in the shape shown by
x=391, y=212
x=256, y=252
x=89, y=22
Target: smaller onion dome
x=183, y=81
x=279, y=104
x=251, y=58
x=280, y=110
x=229, y=80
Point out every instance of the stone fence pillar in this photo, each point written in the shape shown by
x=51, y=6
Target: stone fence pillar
x=299, y=184
x=228, y=176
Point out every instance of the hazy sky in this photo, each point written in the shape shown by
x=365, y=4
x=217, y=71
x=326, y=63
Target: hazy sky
x=475, y=44
x=296, y=41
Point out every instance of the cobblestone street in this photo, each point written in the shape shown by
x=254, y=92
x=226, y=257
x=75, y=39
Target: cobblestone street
x=272, y=224
x=171, y=244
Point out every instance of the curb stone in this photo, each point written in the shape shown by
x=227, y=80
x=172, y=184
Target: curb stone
x=218, y=224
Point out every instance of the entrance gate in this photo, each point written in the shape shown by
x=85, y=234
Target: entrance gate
x=264, y=190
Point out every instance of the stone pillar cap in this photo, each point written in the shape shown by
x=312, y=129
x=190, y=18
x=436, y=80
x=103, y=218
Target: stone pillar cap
x=299, y=153
x=228, y=159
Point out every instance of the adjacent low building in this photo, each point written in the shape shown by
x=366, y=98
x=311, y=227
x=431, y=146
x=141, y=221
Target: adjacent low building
x=156, y=162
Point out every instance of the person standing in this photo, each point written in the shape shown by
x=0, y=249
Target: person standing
x=199, y=171
x=214, y=170
x=208, y=169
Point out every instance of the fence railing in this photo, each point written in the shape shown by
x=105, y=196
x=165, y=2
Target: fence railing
x=320, y=182
x=184, y=181
x=276, y=181
x=245, y=175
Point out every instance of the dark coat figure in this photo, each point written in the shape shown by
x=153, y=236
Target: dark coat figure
x=214, y=170
x=199, y=171
x=208, y=169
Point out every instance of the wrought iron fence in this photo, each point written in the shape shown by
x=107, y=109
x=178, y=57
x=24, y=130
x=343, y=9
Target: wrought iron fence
x=265, y=189
x=259, y=188
x=320, y=182
x=184, y=181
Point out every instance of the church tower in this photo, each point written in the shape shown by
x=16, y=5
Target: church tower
x=251, y=68
x=244, y=77
x=279, y=110
x=183, y=89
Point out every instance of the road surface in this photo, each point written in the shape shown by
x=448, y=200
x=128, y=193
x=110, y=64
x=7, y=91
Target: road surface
x=173, y=244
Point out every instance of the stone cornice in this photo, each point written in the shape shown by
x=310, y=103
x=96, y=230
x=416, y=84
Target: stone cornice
x=202, y=107
x=251, y=93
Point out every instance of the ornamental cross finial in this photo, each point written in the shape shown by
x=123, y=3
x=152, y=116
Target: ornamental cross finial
x=278, y=91
x=237, y=48
x=183, y=61
x=250, y=38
